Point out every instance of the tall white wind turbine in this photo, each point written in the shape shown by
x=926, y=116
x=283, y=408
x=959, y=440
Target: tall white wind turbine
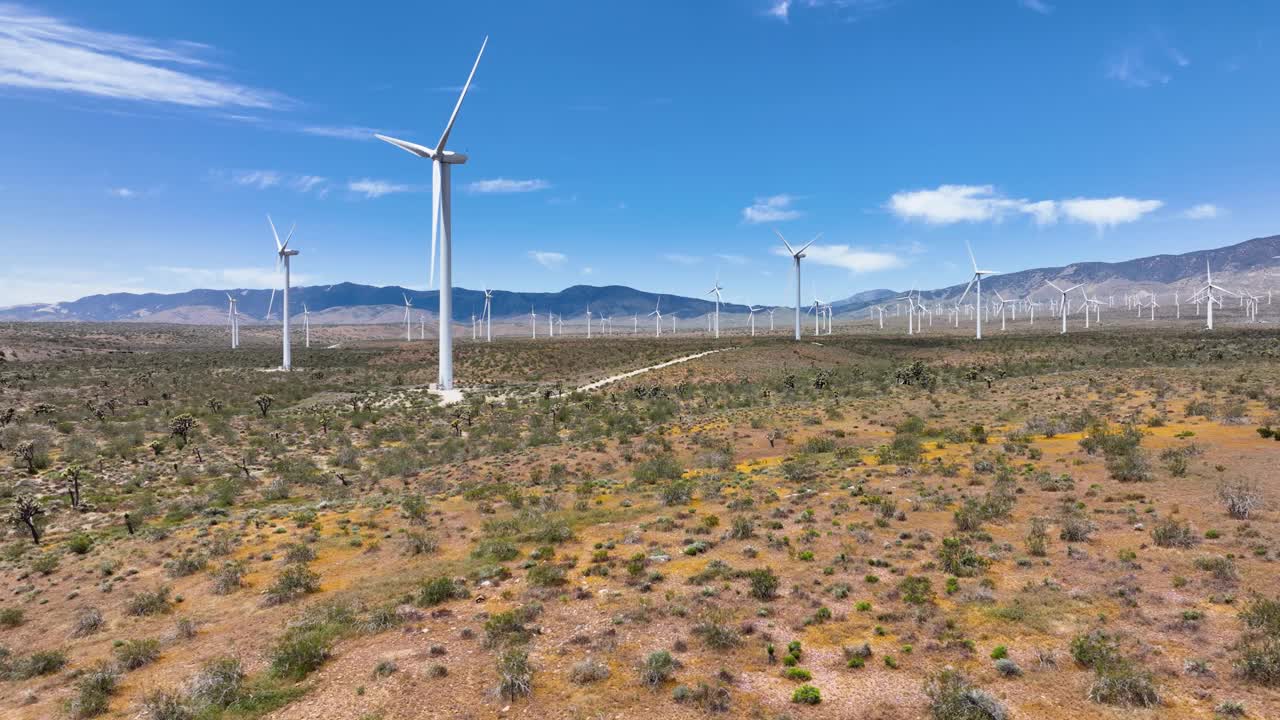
x=408, y=321
x=715, y=290
x=306, y=325
x=796, y=257
x=283, y=253
x=976, y=280
x=1062, y=309
x=233, y=322
x=1206, y=293
x=488, y=315
x=442, y=221
x=657, y=317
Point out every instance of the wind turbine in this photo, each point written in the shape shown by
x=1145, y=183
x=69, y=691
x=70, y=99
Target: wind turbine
x=533, y=322
x=657, y=317
x=488, y=315
x=796, y=257
x=752, y=317
x=588, y=322
x=976, y=279
x=771, y=311
x=283, y=253
x=1002, y=303
x=1062, y=309
x=911, y=311
x=408, y=323
x=442, y=221
x=715, y=289
x=1206, y=293
x=306, y=325
x=233, y=322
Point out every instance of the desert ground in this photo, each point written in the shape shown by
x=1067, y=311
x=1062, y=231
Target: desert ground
x=860, y=525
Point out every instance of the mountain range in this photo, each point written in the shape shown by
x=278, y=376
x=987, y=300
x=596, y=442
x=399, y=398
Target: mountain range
x=1251, y=264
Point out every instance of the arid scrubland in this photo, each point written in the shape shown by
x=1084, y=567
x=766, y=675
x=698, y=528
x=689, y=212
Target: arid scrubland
x=867, y=527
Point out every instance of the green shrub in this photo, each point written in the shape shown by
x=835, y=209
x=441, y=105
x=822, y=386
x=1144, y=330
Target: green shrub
x=953, y=697
x=93, y=691
x=293, y=582
x=438, y=590
x=11, y=617
x=515, y=674
x=806, y=695
x=133, y=654
x=764, y=583
x=149, y=602
x=1172, y=533
x=657, y=668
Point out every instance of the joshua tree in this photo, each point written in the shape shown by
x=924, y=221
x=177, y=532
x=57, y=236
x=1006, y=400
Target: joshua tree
x=264, y=403
x=72, y=475
x=6, y=417
x=27, y=513
x=181, y=426
x=25, y=453
x=215, y=405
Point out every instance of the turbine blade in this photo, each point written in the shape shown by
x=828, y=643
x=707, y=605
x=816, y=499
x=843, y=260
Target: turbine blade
x=814, y=240
x=275, y=234
x=784, y=242
x=972, y=259
x=288, y=237
x=415, y=148
x=965, y=294
x=449, y=128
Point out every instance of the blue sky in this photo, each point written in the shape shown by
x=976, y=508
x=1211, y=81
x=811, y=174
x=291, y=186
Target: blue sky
x=648, y=144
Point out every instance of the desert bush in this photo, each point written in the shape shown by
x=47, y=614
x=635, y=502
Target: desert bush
x=93, y=691
x=588, y=671
x=1240, y=498
x=764, y=583
x=953, y=697
x=133, y=654
x=293, y=582
x=515, y=674
x=1173, y=533
x=11, y=617
x=88, y=621
x=434, y=591
x=165, y=705
x=657, y=668
x=149, y=602
x=1120, y=681
x=218, y=684
x=806, y=695
x=228, y=578
x=958, y=558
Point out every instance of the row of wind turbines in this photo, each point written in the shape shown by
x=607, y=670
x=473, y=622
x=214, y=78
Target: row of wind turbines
x=442, y=161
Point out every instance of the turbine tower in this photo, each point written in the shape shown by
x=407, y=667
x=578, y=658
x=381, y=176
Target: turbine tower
x=283, y=253
x=488, y=315
x=408, y=324
x=233, y=322
x=442, y=222
x=975, y=280
x=796, y=257
x=306, y=325
x=715, y=290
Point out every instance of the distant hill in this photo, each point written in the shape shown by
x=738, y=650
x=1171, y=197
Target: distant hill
x=1243, y=265
x=349, y=303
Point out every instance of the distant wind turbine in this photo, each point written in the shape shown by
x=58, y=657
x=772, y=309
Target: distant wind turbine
x=796, y=257
x=975, y=280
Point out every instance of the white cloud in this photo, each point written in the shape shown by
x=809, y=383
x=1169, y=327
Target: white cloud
x=549, y=260
x=1204, y=211
x=779, y=10
x=949, y=204
x=588, y=270
x=1108, y=212
x=681, y=259
x=1039, y=6
x=371, y=188
x=260, y=179
x=46, y=53
x=352, y=132
x=843, y=256
x=504, y=185
x=122, y=192
x=307, y=183
x=732, y=258
x=775, y=208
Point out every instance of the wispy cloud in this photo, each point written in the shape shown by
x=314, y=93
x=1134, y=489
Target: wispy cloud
x=122, y=192
x=950, y=204
x=732, y=258
x=307, y=183
x=549, y=260
x=1149, y=60
x=850, y=10
x=855, y=260
x=41, y=52
x=775, y=208
x=260, y=179
x=1204, y=211
x=1039, y=6
x=341, y=132
x=371, y=188
x=681, y=258
x=779, y=10
x=505, y=185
